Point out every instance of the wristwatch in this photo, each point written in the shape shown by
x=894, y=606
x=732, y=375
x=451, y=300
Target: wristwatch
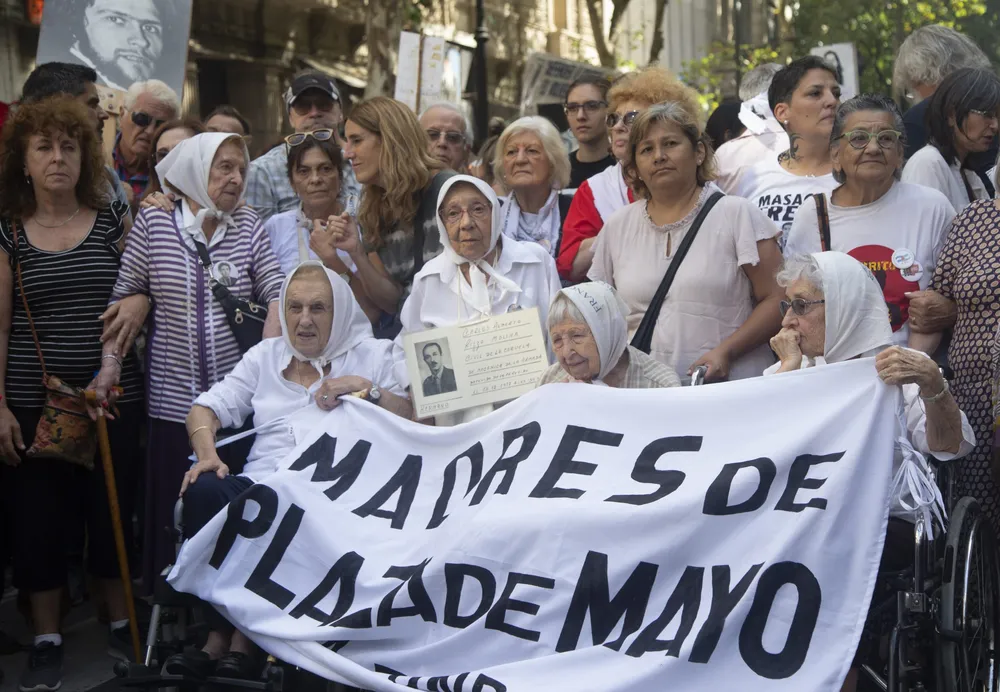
x=374, y=395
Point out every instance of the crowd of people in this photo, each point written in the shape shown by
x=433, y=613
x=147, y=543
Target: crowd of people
x=193, y=290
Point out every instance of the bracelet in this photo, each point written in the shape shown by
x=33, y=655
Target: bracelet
x=197, y=430
x=936, y=397
x=113, y=357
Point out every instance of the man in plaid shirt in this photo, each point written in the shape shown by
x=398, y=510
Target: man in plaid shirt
x=313, y=104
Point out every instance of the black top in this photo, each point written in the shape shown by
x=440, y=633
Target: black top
x=580, y=171
x=67, y=292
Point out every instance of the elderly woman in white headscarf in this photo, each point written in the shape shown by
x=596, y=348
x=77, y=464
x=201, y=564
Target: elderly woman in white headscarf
x=191, y=345
x=478, y=274
x=285, y=384
x=835, y=311
x=589, y=338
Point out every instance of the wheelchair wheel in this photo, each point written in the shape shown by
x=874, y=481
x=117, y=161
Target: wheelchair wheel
x=970, y=596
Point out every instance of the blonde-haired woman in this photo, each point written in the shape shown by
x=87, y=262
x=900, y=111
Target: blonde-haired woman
x=605, y=193
x=531, y=162
x=722, y=307
x=387, y=149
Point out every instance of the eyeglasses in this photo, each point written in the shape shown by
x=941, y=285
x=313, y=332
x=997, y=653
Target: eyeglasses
x=298, y=138
x=144, y=120
x=859, y=139
x=587, y=106
x=477, y=211
x=451, y=137
x=626, y=119
x=989, y=115
x=799, y=306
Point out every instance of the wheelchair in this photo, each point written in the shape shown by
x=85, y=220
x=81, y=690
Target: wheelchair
x=934, y=623
x=173, y=627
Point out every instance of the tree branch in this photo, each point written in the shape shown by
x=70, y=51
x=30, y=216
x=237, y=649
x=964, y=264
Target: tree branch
x=606, y=55
x=657, y=47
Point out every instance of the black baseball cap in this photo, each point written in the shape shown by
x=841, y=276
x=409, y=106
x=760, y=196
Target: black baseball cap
x=310, y=80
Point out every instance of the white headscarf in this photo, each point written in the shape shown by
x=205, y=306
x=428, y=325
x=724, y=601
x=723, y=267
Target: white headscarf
x=185, y=170
x=857, y=324
x=476, y=293
x=350, y=324
x=610, y=191
x=605, y=312
x=755, y=113
x=857, y=319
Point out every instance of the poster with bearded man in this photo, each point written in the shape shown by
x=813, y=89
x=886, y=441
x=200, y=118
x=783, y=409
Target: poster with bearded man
x=125, y=41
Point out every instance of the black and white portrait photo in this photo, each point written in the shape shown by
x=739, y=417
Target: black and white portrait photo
x=125, y=41
x=224, y=273
x=436, y=358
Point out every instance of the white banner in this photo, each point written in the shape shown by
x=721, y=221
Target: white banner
x=580, y=538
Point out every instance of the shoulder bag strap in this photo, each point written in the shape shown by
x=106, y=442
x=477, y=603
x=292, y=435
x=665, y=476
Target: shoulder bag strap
x=643, y=338
x=24, y=300
x=823, y=216
x=968, y=188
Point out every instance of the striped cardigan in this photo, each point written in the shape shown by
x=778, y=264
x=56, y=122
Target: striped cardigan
x=191, y=346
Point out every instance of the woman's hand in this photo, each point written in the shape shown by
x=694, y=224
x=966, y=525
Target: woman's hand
x=322, y=242
x=344, y=233
x=717, y=361
x=159, y=200
x=326, y=395
x=210, y=464
x=786, y=344
x=899, y=366
x=931, y=312
x=105, y=388
x=10, y=437
x=124, y=320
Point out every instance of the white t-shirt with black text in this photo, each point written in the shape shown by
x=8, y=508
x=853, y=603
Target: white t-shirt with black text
x=778, y=193
x=899, y=237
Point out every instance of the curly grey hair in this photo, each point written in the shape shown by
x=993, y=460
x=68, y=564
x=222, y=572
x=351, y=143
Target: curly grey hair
x=931, y=53
x=867, y=102
x=800, y=267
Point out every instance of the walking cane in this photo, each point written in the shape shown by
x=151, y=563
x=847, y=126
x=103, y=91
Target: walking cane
x=116, y=520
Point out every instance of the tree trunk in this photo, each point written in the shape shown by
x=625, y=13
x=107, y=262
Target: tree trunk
x=657, y=47
x=605, y=53
x=383, y=24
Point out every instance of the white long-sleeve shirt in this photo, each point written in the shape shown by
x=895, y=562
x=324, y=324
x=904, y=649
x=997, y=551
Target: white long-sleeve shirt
x=284, y=412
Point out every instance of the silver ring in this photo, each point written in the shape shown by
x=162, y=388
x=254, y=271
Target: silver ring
x=325, y=397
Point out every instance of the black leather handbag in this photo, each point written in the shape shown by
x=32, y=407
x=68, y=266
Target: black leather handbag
x=245, y=317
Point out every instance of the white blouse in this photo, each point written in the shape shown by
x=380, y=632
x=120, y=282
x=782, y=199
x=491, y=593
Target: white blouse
x=928, y=168
x=284, y=412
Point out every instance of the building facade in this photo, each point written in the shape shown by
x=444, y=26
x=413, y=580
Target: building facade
x=242, y=52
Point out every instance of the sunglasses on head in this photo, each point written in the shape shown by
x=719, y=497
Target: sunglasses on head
x=144, y=120
x=626, y=119
x=298, y=138
x=799, y=306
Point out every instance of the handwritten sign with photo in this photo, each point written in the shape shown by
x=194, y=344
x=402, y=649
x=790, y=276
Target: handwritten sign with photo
x=455, y=368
